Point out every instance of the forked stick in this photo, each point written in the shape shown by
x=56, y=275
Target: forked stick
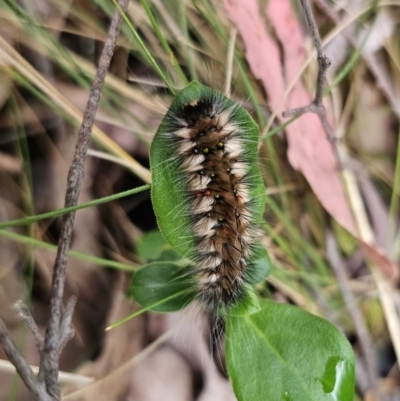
x=59, y=330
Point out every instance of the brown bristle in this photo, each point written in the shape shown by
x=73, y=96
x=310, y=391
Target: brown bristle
x=210, y=151
x=208, y=194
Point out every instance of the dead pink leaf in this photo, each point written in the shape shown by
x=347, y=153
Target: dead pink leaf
x=262, y=52
x=309, y=150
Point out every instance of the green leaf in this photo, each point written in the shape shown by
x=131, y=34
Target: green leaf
x=153, y=247
x=168, y=192
x=170, y=255
x=150, y=246
x=261, y=265
x=163, y=286
x=285, y=353
x=250, y=304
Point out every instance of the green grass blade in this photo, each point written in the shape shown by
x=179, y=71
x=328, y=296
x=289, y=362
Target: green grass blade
x=144, y=49
x=59, y=212
x=78, y=255
x=164, y=43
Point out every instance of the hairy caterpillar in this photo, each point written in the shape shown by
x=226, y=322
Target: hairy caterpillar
x=207, y=190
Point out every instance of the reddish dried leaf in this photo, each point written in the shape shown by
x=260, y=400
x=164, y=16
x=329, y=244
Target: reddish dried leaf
x=309, y=150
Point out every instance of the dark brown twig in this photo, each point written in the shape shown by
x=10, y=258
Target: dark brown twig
x=316, y=106
x=75, y=179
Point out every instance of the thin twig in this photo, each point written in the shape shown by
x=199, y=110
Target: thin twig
x=36, y=389
x=66, y=329
x=316, y=106
x=323, y=63
x=371, y=59
x=27, y=317
x=50, y=359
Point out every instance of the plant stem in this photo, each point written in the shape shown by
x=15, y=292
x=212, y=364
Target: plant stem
x=50, y=359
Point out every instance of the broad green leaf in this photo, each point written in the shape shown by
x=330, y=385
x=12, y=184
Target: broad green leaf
x=162, y=285
x=168, y=191
x=285, y=353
